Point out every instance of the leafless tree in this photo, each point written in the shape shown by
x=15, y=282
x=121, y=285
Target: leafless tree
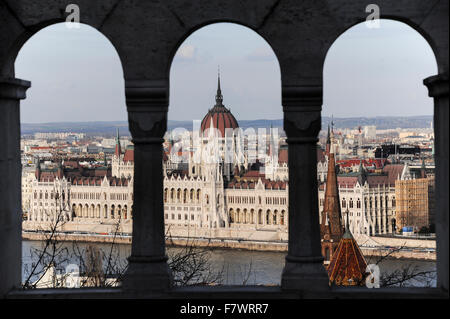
x=408, y=275
x=53, y=252
x=191, y=265
x=92, y=260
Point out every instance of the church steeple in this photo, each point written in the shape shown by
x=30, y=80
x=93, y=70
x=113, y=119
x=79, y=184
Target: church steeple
x=328, y=146
x=118, y=150
x=331, y=229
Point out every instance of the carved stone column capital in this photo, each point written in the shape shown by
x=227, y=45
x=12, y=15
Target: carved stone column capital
x=302, y=106
x=14, y=89
x=302, y=122
x=437, y=85
x=147, y=105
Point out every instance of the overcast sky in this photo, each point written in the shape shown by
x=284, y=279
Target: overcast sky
x=76, y=74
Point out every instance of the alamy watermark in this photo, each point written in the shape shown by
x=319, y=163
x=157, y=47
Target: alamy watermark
x=373, y=19
x=226, y=146
x=373, y=278
x=72, y=276
x=73, y=17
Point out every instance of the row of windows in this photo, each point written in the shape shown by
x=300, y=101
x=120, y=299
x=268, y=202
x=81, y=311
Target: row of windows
x=47, y=196
x=251, y=200
x=179, y=216
x=249, y=217
x=94, y=196
x=86, y=196
x=242, y=199
x=181, y=196
x=275, y=201
x=358, y=203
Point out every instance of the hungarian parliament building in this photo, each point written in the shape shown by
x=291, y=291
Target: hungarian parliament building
x=235, y=198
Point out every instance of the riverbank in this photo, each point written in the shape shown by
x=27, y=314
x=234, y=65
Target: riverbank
x=250, y=245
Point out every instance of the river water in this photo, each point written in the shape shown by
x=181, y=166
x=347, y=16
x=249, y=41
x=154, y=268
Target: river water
x=236, y=267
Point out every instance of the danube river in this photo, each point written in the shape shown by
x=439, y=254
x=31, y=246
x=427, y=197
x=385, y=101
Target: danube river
x=237, y=267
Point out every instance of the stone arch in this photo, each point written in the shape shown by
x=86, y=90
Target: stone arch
x=244, y=23
x=425, y=31
x=267, y=18
x=47, y=20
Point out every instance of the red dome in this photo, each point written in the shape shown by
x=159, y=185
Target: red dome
x=221, y=120
x=221, y=116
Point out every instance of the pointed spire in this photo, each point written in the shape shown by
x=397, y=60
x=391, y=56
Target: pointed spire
x=361, y=167
x=332, y=208
x=347, y=233
x=328, y=145
x=118, y=150
x=332, y=123
x=362, y=173
x=219, y=97
x=328, y=135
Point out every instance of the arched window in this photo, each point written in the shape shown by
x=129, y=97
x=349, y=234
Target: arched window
x=165, y=195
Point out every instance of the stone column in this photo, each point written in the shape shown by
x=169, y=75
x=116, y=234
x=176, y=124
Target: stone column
x=11, y=92
x=147, y=104
x=438, y=90
x=304, y=268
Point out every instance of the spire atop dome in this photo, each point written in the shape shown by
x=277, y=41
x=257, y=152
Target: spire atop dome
x=219, y=97
x=219, y=116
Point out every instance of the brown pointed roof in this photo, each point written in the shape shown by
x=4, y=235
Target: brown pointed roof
x=347, y=266
x=331, y=224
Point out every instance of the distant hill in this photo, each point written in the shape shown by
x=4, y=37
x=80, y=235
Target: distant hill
x=381, y=122
x=109, y=128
